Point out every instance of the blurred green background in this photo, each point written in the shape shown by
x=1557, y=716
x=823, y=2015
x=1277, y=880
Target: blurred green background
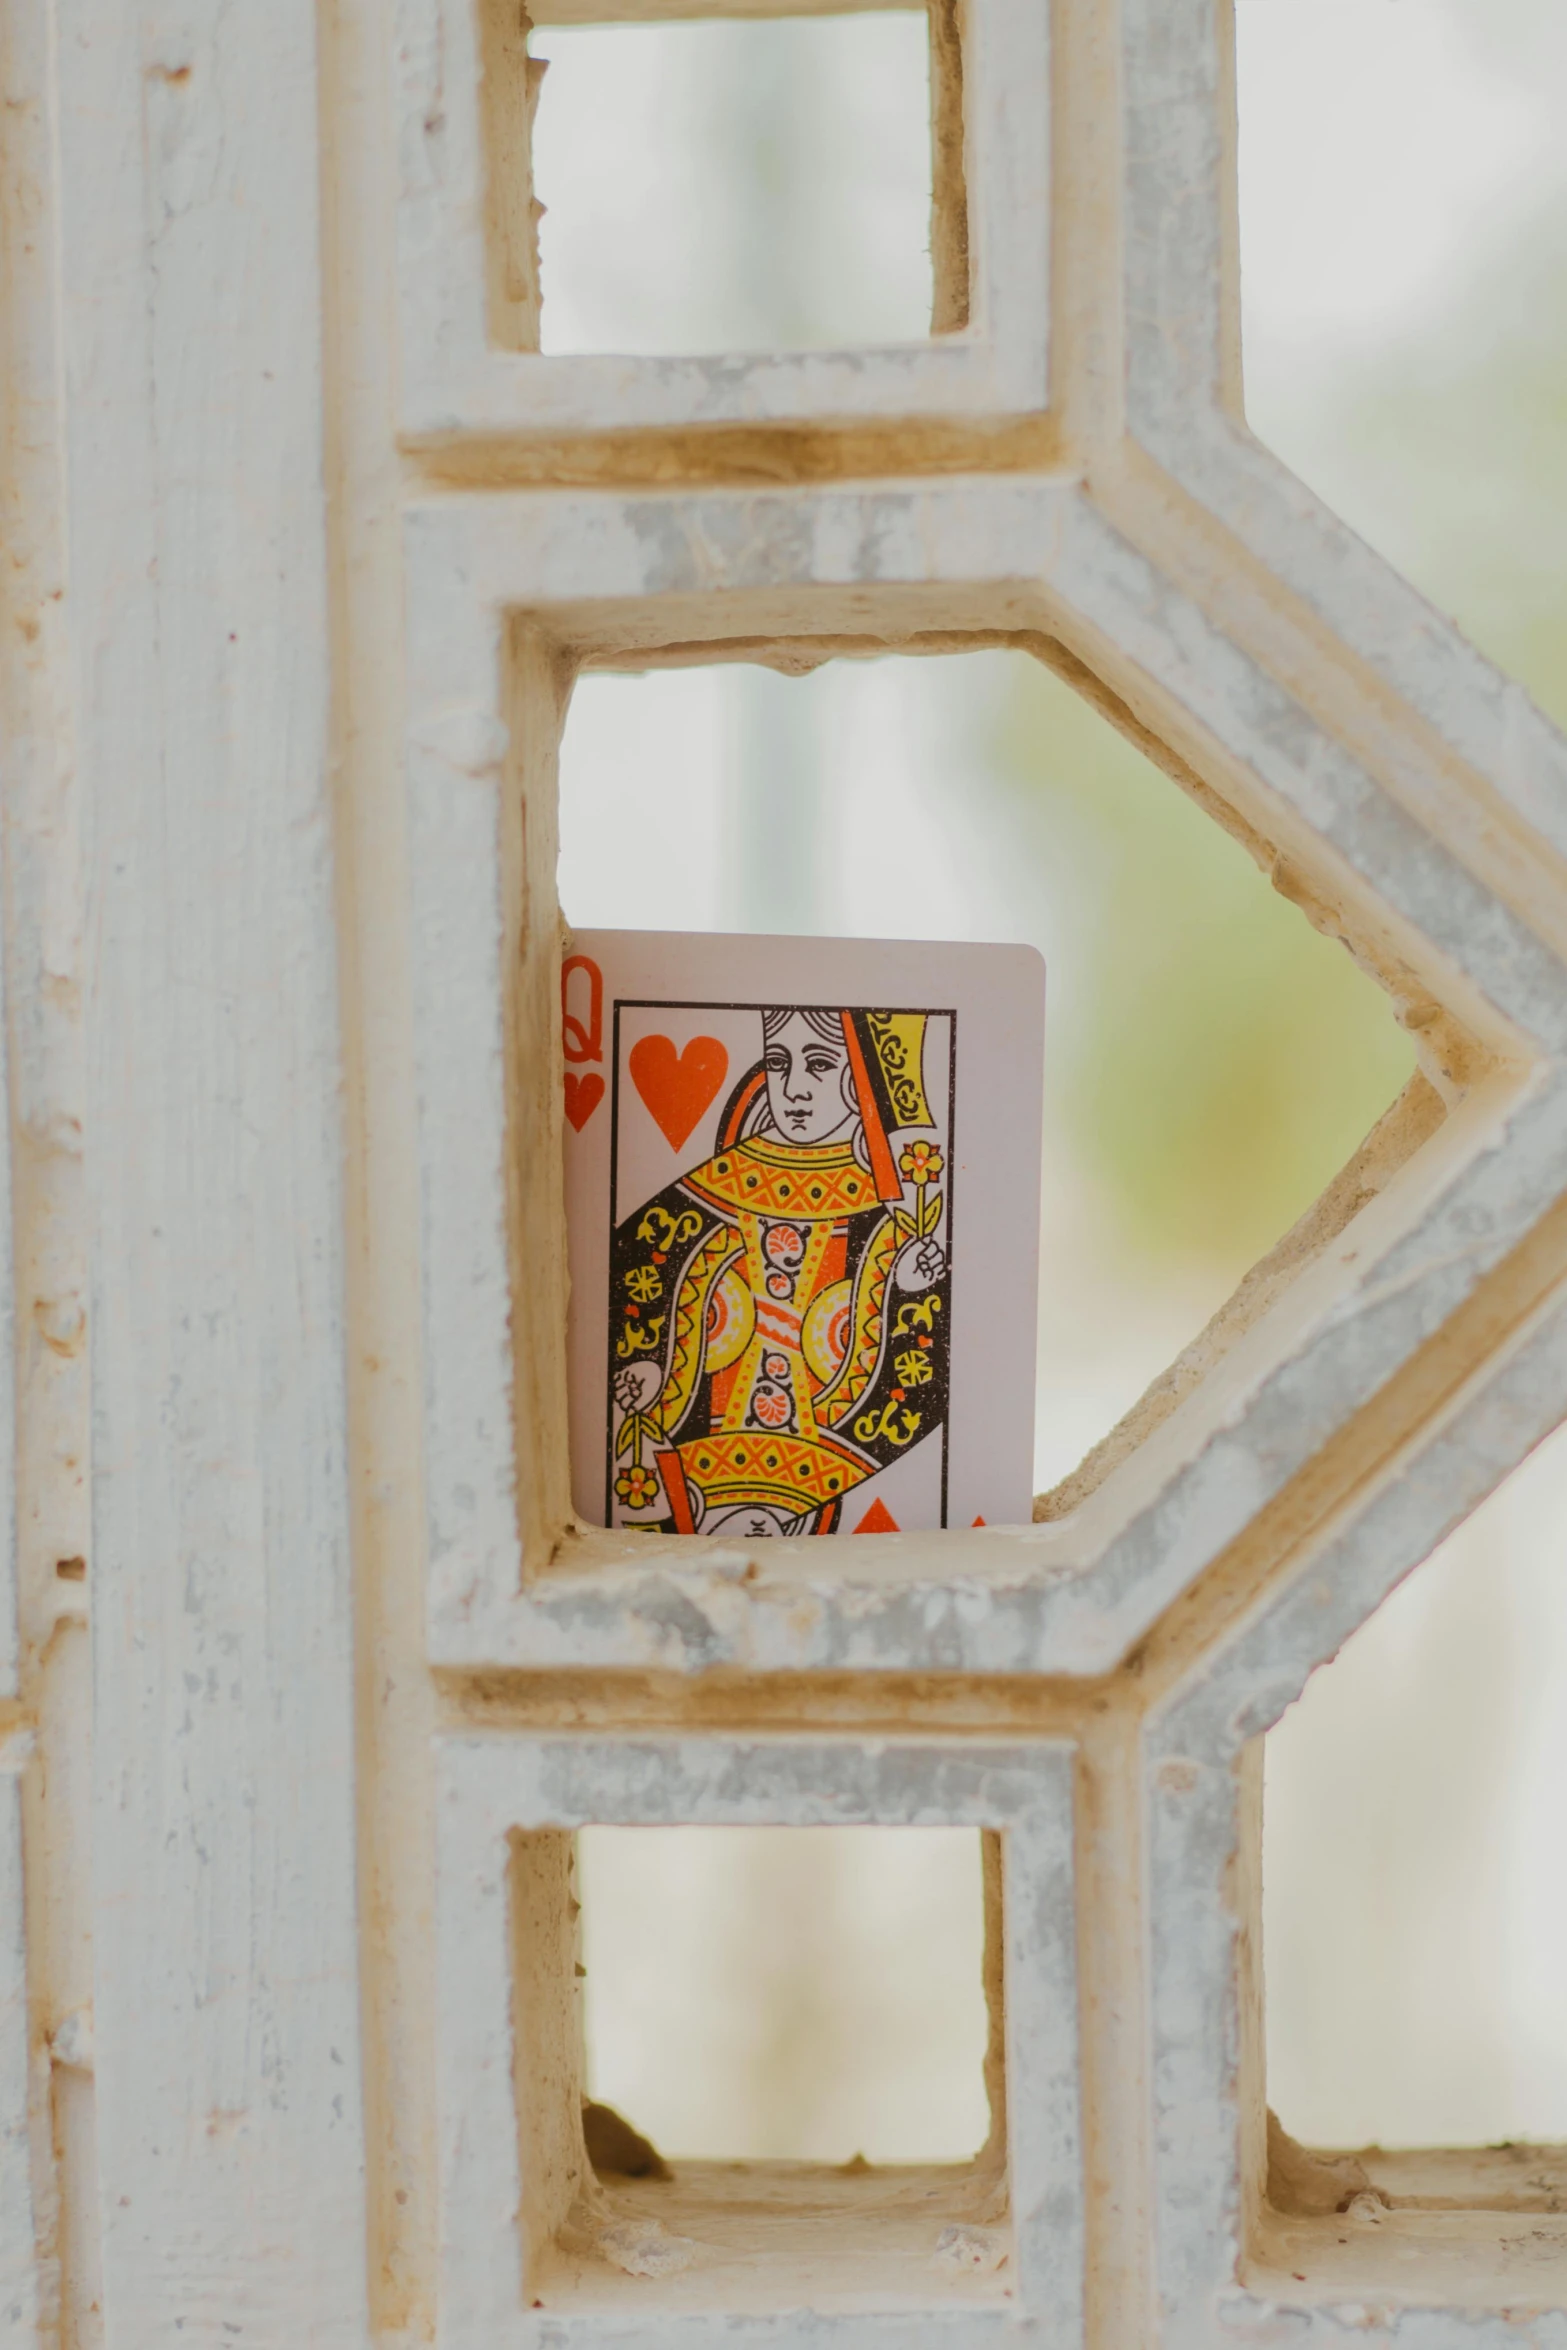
x=1226, y=1059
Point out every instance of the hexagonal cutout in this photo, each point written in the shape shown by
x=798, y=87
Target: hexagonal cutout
x=1211, y=1061
x=1404, y=292
x=1415, y=1922
x=1388, y=1784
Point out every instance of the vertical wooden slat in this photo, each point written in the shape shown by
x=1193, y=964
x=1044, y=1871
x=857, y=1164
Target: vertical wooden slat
x=230, y=2133
x=19, y=2281
x=23, y=396
x=949, y=256
x=48, y=2175
x=509, y=85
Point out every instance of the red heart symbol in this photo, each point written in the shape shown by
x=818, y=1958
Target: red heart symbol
x=583, y=1095
x=678, y=1087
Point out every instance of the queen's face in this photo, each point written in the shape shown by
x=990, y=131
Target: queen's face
x=809, y=1089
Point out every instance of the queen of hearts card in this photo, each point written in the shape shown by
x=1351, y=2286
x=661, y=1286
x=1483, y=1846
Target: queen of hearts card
x=769, y=1229
x=778, y=1316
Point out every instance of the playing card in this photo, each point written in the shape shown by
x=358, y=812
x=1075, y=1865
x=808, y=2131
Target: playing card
x=802, y=1198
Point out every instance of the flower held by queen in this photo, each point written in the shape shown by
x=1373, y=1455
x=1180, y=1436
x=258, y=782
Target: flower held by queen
x=637, y=1487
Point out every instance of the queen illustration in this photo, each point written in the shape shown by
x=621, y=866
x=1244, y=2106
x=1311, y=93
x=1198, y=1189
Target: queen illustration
x=778, y=1316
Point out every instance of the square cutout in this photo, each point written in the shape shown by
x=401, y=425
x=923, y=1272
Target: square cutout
x=820, y=2120
x=758, y=184
x=806, y=1995
x=797, y=2017
x=527, y=2226
x=963, y=335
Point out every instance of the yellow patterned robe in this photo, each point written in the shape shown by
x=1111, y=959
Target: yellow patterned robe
x=793, y=1369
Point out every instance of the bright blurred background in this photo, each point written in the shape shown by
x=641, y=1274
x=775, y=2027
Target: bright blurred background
x=1210, y=1060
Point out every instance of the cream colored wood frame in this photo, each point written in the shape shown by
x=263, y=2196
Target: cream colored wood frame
x=506, y=596
x=304, y=551
x=460, y=379
x=505, y=2187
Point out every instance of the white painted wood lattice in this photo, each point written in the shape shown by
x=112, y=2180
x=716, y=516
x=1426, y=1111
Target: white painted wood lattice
x=306, y=1675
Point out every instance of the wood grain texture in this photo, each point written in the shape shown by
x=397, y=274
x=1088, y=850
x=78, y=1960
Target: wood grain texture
x=21, y=2301
x=229, y=2121
x=608, y=578
x=503, y=2160
x=316, y=517
x=460, y=226
x=48, y=2201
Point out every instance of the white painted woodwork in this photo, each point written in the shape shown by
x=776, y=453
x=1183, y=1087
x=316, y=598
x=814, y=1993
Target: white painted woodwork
x=227, y=2068
x=493, y=1787
x=456, y=381
x=21, y=2278
x=1034, y=563
x=685, y=11
x=304, y=550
